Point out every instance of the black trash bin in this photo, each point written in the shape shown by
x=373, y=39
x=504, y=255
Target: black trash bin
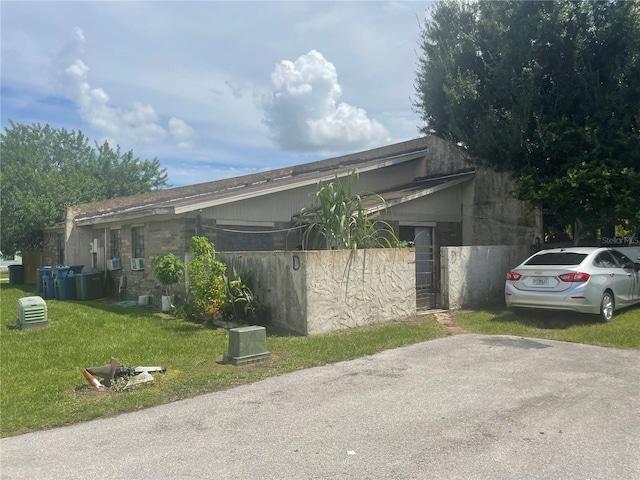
x=16, y=274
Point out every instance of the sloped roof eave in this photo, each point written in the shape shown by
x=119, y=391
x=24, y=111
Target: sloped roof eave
x=122, y=216
x=453, y=180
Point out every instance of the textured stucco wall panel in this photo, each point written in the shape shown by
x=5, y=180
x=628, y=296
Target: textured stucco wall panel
x=474, y=276
x=316, y=292
x=347, y=289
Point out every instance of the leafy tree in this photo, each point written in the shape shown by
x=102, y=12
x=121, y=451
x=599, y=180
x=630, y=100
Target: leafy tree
x=168, y=269
x=549, y=91
x=341, y=221
x=44, y=170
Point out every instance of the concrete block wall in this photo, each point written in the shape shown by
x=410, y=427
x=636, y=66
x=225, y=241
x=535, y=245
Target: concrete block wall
x=279, y=282
x=474, y=276
x=314, y=292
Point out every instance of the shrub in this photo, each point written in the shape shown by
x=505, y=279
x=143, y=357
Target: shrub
x=241, y=304
x=206, y=278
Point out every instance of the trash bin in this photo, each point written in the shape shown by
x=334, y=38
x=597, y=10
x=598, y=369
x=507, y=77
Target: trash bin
x=41, y=272
x=60, y=272
x=48, y=291
x=16, y=274
x=65, y=287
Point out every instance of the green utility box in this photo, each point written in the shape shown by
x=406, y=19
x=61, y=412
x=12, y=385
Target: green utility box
x=32, y=312
x=247, y=345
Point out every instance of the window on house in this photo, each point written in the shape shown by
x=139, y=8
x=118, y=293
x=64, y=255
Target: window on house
x=115, y=243
x=137, y=241
x=60, y=249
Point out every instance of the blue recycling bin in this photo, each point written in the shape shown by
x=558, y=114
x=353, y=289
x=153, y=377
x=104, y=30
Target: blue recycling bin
x=60, y=272
x=65, y=287
x=41, y=272
x=48, y=291
x=16, y=274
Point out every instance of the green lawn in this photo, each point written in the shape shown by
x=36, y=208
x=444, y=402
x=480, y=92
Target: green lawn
x=623, y=331
x=42, y=385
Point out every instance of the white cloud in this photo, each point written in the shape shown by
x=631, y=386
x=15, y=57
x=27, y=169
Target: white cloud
x=79, y=35
x=304, y=112
x=181, y=131
x=140, y=123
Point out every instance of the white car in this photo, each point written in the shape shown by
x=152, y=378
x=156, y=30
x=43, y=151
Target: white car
x=580, y=279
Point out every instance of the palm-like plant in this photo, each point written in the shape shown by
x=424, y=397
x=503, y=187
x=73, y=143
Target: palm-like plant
x=341, y=221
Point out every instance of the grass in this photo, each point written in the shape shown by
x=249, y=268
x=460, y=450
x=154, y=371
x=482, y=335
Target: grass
x=41, y=379
x=623, y=331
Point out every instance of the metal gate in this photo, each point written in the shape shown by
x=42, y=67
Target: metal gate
x=426, y=286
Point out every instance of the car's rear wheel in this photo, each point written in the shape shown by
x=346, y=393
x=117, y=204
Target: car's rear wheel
x=606, y=306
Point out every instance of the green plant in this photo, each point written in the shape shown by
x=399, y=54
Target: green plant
x=400, y=244
x=168, y=269
x=241, y=304
x=342, y=220
x=206, y=278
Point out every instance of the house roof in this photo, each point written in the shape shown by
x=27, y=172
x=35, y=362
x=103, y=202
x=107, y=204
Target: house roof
x=190, y=198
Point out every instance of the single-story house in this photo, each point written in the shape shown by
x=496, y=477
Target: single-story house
x=435, y=197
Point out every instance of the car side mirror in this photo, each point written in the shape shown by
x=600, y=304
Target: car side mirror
x=636, y=267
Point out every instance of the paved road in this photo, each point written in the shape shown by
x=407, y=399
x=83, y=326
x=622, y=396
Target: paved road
x=461, y=407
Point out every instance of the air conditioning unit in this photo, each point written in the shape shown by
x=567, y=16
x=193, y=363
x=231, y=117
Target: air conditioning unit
x=137, y=264
x=32, y=312
x=114, y=264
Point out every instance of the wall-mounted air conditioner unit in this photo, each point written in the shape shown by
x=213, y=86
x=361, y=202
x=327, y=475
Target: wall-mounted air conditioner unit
x=137, y=264
x=114, y=264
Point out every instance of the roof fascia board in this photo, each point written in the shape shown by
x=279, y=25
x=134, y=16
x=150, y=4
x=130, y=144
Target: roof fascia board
x=339, y=172
x=123, y=217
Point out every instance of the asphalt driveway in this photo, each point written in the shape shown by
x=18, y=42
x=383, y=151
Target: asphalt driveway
x=461, y=407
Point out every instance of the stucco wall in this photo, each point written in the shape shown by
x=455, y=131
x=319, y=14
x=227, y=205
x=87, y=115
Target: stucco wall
x=279, y=281
x=315, y=292
x=492, y=216
x=473, y=277
x=360, y=287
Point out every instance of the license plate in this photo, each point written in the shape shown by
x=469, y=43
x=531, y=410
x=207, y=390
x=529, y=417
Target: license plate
x=540, y=281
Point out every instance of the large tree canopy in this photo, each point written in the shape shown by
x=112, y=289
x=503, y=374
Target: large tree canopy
x=549, y=91
x=44, y=170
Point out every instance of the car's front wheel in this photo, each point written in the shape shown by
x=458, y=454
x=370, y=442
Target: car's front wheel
x=607, y=306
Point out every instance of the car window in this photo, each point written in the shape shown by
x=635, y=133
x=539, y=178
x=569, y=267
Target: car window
x=557, y=258
x=622, y=259
x=605, y=260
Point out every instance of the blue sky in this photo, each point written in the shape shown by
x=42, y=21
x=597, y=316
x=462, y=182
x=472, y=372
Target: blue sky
x=215, y=89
